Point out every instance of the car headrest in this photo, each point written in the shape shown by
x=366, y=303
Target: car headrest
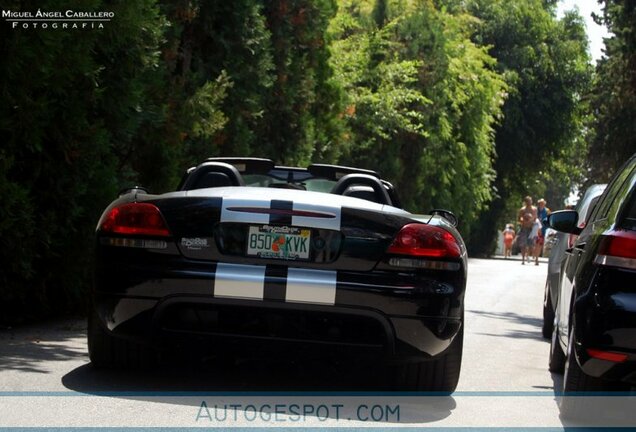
x=362, y=192
x=379, y=190
x=213, y=179
x=213, y=174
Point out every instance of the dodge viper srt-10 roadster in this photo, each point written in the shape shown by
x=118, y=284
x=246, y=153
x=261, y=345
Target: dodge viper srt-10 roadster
x=247, y=255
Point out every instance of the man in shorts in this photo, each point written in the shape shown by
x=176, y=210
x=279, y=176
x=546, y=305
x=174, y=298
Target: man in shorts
x=526, y=216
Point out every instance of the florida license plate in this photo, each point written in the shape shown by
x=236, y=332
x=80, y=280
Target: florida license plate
x=278, y=242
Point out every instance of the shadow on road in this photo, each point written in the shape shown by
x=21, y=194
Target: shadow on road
x=29, y=348
x=514, y=318
x=189, y=381
x=186, y=378
x=594, y=409
x=200, y=374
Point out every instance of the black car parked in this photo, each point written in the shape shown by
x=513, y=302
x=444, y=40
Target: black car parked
x=249, y=256
x=562, y=242
x=594, y=339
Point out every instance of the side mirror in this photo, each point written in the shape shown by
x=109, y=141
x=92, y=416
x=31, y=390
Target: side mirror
x=446, y=214
x=565, y=221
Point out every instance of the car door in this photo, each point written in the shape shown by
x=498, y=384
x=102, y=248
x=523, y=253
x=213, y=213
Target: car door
x=572, y=258
x=596, y=223
x=572, y=254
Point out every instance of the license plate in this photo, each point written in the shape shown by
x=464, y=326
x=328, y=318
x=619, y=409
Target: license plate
x=278, y=242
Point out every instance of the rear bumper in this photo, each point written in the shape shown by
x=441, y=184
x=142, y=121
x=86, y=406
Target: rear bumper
x=398, y=317
x=605, y=320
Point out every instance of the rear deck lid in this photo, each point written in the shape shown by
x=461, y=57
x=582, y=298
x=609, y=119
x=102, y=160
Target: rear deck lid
x=276, y=226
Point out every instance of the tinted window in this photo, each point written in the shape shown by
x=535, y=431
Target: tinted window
x=590, y=209
x=631, y=212
x=588, y=202
x=302, y=180
x=629, y=221
x=613, y=190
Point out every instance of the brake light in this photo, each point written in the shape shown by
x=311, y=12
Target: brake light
x=137, y=219
x=420, y=240
x=618, y=249
x=607, y=355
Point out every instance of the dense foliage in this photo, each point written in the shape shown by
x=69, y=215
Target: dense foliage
x=614, y=98
x=422, y=102
x=72, y=105
x=539, y=141
x=463, y=104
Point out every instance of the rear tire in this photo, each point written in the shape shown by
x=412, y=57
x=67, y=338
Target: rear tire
x=438, y=375
x=557, y=356
x=106, y=351
x=577, y=381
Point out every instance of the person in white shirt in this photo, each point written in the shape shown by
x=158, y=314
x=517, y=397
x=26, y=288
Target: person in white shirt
x=535, y=239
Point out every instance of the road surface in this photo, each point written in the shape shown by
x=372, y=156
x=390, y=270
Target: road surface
x=46, y=379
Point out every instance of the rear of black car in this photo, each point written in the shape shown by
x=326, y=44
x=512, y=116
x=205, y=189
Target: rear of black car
x=184, y=269
x=594, y=339
x=561, y=242
x=604, y=306
x=606, y=310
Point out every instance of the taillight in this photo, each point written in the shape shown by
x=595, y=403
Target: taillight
x=420, y=240
x=618, y=249
x=607, y=355
x=136, y=219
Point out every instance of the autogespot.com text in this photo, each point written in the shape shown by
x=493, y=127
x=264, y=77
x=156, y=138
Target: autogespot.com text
x=294, y=413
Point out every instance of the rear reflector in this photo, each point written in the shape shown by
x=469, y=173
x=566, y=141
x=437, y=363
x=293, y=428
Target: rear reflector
x=421, y=240
x=424, y=264
x=607, y=355
x=617, y=249
x=136, y=219
x=134, y=242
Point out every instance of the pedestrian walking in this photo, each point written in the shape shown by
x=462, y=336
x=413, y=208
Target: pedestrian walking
x=508, y=238
x=542, y=213
x=526, y=217
x=536, y=238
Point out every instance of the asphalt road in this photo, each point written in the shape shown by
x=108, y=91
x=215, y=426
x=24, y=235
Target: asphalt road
x=46, y=378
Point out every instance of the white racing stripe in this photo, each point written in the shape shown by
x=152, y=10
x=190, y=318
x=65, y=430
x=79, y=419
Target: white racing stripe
x=311, y=286
x=312, y=222
x=239, y=281
x=302, y=285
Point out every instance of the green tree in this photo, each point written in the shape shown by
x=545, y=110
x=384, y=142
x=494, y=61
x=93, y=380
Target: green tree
x=614, y=96
x=256, y=76
x=546, y=66
x=73, y=100
x=300, y=122
x=423, y=100
x=218, y=67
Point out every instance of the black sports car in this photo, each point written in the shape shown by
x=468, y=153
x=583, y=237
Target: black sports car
x=247, y=253
x=594, y=338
